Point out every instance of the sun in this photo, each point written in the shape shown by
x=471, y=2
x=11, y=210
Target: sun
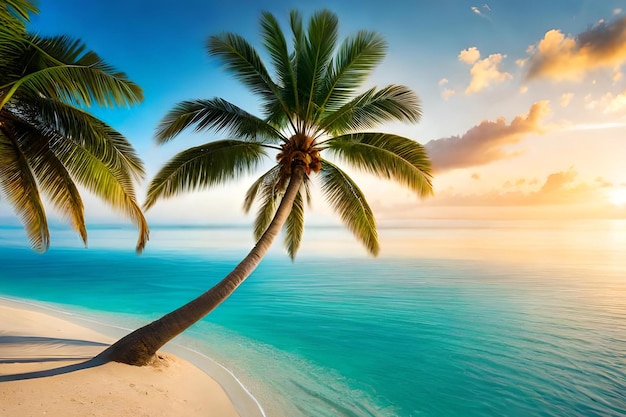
x=618, y=197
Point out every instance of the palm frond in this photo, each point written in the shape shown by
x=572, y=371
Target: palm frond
x=313, y=58
x=294, y=225
x=14, y=14
x=307, y=191
x=204, y=166
x=276, y=44
x=372, y=108
x=110, y=146
x=13, y=48
x=269, y=197
x=219, y=115
x=88, y=170
x=268, y=179
x=297, y=29
x=244, y=62
x=18, y=9
x=388, y=156
x=19, y=187
x=354, y=62
x=52, y=177
x=348, y=201
x=61, y=69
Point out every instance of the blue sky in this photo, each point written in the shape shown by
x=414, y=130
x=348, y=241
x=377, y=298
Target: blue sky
x=468, y=61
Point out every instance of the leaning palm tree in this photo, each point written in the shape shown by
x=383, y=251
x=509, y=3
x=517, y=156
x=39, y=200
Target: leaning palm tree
x=48, y=142
x=311, y=106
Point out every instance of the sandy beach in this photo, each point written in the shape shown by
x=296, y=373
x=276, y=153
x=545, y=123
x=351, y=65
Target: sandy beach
x=45, y=370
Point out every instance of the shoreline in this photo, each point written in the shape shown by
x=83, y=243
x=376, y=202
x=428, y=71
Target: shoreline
x=244, y=404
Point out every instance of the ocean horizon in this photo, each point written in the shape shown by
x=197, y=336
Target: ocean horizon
x=455, y=317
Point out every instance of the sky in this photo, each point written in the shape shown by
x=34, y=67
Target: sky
x=524, y=103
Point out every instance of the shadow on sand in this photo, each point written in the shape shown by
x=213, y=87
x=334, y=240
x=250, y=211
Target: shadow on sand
x=30, y=340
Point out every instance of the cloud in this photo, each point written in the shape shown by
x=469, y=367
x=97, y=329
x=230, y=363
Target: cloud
x=558, y=188
x=617, y=11
x=556, y=181
x=482, y=13
x=523, y=89
x=565, y=58
x=483, y=72
x=560, y=195
x=590, y=103
x=443, y=81
x=469, y=55
x=608, y=103
x=447, y=93
x=617, y=103
x=485, y=142
x=486, y=72
x=566, y=99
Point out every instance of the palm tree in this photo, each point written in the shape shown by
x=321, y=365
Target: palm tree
x=48, y=142
x=311, y=106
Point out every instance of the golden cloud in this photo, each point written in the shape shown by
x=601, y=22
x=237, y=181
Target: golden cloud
x=486, y=72
x=559, y=57
x=617, y=104
x=485, y=142
x=469, y=55
x=557, y=189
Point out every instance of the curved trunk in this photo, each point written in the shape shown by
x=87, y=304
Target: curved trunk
x=140, y=346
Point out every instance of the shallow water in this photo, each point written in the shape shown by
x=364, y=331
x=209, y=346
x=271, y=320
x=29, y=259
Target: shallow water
x=454, y=318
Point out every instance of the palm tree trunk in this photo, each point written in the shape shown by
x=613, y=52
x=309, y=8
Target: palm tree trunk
x=140, y=346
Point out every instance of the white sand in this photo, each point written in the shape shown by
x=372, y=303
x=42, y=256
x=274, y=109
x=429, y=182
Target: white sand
x=40, y=344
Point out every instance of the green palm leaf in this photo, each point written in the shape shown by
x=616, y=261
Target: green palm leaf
x=217, y=114
x=18, y=10
x=307, y=191
x=313, y=59
x=269, y=179
x=14, y=14
x=88, y=170
x=20, y=188
x=204, y=166
x=348, y=201
x=111, y=147
x=52, y=177
x=372, y=108
x=294, y=225
x=388, y=156
x=276, y=44
x=269, y=196
x=356, y=59
x=246, y=65
x=297, y=29
x=60, y=68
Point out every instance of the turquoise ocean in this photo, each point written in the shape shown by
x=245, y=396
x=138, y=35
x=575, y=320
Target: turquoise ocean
x=454, y=318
